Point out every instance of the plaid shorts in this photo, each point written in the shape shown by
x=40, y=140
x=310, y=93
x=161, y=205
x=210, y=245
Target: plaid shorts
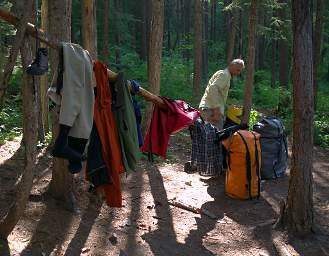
x=206, y=155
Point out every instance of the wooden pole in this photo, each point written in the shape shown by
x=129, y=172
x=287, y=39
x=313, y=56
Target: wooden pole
x=53, y=43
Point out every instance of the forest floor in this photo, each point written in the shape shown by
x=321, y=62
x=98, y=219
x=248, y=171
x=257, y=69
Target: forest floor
x=148, y=225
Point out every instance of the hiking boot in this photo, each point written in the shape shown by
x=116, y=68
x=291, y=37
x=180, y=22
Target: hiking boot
x=40, y=65
x=189, y=168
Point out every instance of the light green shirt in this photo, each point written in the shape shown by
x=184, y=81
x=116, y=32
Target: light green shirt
x=216, y=92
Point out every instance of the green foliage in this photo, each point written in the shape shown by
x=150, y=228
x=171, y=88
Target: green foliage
x=254, y=118
x=11, y=114
x=177, y=79
x=10, y=122
x=264, y=96
x=321, y=130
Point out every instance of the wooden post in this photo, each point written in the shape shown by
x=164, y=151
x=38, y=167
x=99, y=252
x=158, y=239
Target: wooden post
x=53, y=43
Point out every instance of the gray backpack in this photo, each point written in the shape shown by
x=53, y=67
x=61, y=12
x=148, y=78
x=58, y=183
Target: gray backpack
x=273, y=142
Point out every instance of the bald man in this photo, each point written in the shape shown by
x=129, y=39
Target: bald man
x=213, y=102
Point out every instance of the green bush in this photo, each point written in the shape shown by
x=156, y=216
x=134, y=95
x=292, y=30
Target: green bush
x=10, y=122
x=321, y=131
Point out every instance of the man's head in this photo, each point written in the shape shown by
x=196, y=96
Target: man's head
x=236, y=66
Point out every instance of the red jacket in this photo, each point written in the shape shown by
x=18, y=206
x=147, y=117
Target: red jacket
x=177, y=116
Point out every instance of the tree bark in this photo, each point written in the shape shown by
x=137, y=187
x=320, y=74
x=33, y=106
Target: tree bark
x=9, y=67
x=213, y=20
x=298, y=214
x=8, y=222
x=283, y=52
x=105, y=47
x=156, y=42
x=197, y=48
x=231, y=35
x=240, y=51
x=250, y=70
x=44, y=78
x=187, y=28
x=30, y=115
x=155, y=52
x=205, y=39
x=117, y=37
x=273, y=63
x=317, y=41
x=89, y=31
x=178, y=25
x=143, y=52
x=260, y=50
x=168, y=13
x=61, y=185
x=226, y=20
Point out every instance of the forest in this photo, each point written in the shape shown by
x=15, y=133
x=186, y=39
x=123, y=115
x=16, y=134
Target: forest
x=171, y=49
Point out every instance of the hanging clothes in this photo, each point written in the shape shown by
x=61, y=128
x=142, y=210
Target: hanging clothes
x=177, y=116
x=78, y=145
x=108, y=133
x=97, y=172
x=77, y=104
x=124, y=114
x=138, y=113
x=72, y=89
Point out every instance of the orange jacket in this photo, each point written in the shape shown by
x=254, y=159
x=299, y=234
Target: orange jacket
x=108, y=133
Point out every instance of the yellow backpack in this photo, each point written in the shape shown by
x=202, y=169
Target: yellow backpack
x=244, y=161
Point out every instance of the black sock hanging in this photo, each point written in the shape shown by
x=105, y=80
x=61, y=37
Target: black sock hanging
x=62, y=149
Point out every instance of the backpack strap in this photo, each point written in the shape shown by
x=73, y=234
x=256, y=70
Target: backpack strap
x=282, y=139
x=248, y=164
x=257, y=164
x=229, y=153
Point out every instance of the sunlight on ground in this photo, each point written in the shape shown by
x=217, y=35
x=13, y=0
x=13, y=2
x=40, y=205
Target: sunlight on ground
x=9, y=149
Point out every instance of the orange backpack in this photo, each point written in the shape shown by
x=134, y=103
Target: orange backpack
x=243, y=159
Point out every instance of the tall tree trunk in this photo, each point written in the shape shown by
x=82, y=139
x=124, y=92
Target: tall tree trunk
x=283, y=53
x=317, y=41
x=260, y=49
x=240, y=52
x=61, y=186
x=197, y=48
x=178, y=13
x=187, y=27
x=23, y=188
x=117, y=37
x=231, y=35
x=105, y=47
x=155, y=51
x=213, y=20
x=250, y=70
x=44, y=78
x=9, y=66
x=168, y=25
x=273, y=62
x=89, y=31
x=205, y=38
x=226, y=20
x=144, y=8
x=298, y=214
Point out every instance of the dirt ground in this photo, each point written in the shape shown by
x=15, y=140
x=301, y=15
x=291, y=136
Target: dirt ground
x=148, y=225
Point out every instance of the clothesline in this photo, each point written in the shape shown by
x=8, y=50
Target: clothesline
x=53, y=43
